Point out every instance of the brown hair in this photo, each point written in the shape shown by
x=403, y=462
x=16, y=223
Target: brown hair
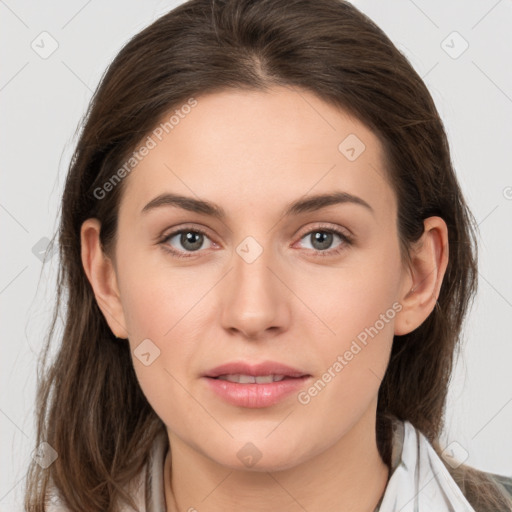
x=91, y=409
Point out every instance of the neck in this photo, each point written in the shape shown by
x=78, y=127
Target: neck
x=349, y=476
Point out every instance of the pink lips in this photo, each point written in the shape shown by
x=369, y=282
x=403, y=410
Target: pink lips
x=255, y=395
x=264, y=368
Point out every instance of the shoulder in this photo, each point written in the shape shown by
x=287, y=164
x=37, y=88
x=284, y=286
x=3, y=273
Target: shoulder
x=503, y=482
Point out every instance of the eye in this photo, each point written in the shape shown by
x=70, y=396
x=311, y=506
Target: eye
x=322, y=238
x=190, y=240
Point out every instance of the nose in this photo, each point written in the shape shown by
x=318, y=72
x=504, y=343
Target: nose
x=255, y=300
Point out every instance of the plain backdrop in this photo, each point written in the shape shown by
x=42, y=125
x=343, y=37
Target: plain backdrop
x=461, y=48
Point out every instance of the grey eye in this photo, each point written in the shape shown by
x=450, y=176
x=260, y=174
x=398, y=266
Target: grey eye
x=320, y=239
x=189, y=240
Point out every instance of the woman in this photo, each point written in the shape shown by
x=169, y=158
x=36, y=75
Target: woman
x=268, y=261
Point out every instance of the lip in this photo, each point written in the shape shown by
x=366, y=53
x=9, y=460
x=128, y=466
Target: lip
x=255, y=395
x=259, y=369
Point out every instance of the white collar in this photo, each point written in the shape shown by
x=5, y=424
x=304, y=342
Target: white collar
x=420, y=480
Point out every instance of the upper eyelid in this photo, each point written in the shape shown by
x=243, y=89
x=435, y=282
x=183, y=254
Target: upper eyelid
x=327, y=227
x=189, y=227
x=319, y=225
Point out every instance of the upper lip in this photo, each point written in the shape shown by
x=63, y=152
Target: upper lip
x=260, y=369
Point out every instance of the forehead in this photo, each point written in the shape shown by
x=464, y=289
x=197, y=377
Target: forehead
x=258, y=148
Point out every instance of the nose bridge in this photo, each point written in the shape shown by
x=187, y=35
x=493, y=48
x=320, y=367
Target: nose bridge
x=254, y=302
x=251, y=262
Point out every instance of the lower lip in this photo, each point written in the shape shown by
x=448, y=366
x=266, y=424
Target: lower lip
x=256, y=395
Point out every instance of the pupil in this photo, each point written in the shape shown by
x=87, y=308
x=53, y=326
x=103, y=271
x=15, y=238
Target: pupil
x=324, y=238
x=188, y=238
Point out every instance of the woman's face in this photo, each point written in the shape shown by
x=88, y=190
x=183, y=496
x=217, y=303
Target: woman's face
x=263, y=283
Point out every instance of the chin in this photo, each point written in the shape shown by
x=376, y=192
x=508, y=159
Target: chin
x=260, y=457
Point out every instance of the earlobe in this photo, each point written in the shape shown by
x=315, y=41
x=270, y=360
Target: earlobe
x=428, y=263
x=101, y=275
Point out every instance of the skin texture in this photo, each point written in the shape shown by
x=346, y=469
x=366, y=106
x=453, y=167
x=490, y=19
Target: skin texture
x=253, y=153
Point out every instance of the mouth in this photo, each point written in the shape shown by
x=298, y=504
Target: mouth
x=265, y=372
x=259, y=392
x=255, y=379
x=255, y=386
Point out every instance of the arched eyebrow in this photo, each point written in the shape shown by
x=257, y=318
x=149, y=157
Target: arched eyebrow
x=303, y=205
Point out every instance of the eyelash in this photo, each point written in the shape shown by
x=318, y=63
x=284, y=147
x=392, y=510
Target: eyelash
x=346, y=239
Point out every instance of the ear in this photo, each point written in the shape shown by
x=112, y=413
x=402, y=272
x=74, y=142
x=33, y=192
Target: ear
x=425, y=273
x=101, y=274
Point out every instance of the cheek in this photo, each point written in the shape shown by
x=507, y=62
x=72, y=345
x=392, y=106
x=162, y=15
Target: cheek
x=352, y=330
x=165, y=309
x=345, y=300
x=157, y=297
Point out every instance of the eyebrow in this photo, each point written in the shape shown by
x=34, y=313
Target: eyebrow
x=309, y=204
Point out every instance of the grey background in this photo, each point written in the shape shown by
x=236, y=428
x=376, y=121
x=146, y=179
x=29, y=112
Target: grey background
x=43, y=99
